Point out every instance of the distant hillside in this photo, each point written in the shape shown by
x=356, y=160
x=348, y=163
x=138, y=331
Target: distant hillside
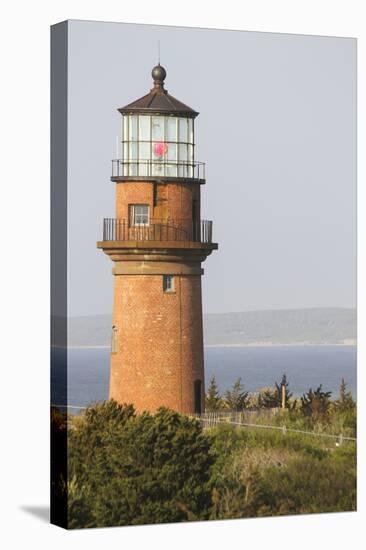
x=296, y=326
x=292, y=326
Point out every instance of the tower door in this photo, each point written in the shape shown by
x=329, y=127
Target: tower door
x=197, y=396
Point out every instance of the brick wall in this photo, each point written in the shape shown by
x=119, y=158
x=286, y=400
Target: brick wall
x=159, y=342
x=173, y=200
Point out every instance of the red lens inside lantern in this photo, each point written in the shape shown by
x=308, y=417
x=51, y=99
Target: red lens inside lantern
x=160, y=149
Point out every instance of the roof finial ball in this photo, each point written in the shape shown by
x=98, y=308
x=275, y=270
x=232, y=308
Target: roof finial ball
x=159, y=74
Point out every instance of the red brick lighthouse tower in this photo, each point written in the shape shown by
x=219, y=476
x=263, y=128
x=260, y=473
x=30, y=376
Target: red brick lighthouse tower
x=157, y=242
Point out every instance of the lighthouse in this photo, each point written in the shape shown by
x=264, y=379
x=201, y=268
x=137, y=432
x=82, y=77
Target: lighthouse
x=157, y=242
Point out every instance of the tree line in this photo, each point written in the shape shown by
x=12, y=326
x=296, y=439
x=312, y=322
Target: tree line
x=314, y=403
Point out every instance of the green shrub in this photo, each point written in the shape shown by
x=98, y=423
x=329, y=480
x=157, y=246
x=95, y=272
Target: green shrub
x=266, y=473
x=128, y=470
x=315, y=404
x=345, y=402
x=308, y=485
x=236, y=399
x=272, y=397
x=58, y=466
x=213, y=399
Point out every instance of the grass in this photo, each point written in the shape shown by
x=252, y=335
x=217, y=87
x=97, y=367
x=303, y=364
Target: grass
x=267, y=473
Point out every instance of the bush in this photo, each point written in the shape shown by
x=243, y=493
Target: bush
x=316, y=404
x=58, y=467
x=236, y=399
x=213, y=399
x=345, y=402
x=261, y=473
x=126, y=469
x=309, y=485
x=272, y=397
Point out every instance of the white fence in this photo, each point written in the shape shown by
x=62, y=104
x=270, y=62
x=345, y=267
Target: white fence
x=244, y=419
x=241, y=418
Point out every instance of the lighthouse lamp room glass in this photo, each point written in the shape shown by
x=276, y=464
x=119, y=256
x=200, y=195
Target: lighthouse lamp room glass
x=154, y=143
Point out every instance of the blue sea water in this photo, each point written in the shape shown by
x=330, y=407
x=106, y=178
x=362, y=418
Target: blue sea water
x=305, y=367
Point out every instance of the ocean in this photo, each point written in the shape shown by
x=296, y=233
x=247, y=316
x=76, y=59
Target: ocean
x=258, y=367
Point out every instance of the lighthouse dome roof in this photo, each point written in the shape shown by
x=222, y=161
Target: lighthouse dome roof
x=158, y=100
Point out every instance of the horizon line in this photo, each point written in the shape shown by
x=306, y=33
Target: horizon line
x=353, y=308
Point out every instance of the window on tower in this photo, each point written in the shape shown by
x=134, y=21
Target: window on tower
x=139, y=214
x=114, y=343
x=168, y=283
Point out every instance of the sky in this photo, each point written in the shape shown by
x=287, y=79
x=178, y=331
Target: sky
x=277, y=130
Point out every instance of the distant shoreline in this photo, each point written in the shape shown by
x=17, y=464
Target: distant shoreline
x=250, y=345
x=279, y=345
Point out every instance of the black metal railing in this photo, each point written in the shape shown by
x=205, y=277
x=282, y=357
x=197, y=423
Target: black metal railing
x=158, y=168
x=157, y=230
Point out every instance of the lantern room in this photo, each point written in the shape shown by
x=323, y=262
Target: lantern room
x=158, y=137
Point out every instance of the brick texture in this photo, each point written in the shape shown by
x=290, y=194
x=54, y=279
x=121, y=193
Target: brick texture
x=172, y=200
x=159, y=342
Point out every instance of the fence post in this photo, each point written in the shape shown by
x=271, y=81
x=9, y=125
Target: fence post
x=284, y=430
x=283, y=396
x=340, y=440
